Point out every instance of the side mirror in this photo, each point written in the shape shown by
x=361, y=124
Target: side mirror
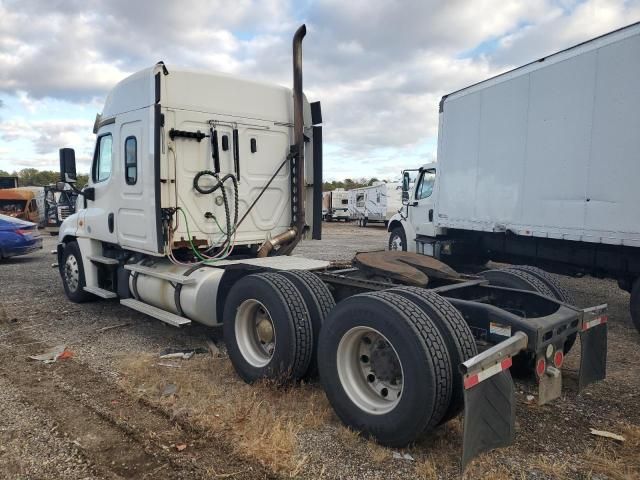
x=405, y=186
x=68, y=165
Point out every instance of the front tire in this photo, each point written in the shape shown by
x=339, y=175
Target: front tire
x=398, y=240
x=72, y=273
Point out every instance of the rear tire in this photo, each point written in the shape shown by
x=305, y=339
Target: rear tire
x=267, y=329
x=72, y=273
x=319, y=302
x=360, y=377
x=634, y=304
x=456, y=333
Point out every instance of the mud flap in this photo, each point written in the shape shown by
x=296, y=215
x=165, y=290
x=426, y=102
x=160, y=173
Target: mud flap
x=489, y=416
x=489, y=398
x=593, y=361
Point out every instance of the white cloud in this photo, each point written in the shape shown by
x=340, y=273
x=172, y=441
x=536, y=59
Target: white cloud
x=379, y=67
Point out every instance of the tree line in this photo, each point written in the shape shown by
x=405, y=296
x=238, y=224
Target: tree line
x=32, y=177
x=348, y=183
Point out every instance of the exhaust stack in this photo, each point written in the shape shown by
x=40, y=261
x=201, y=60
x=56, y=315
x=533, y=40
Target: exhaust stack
x=297, y=149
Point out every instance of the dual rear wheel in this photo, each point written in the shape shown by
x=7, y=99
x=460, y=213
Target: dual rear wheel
x=388, y=361
x=271, y=323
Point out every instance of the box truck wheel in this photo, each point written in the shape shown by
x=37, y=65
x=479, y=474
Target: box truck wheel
x=559, y=293
x=72, y=273
x=267, y=329
x=634, y=303
x=550, y=280
x=512, y=277
x=319, y=302
x=384, y=367
x=456, y=333
x=398, y=239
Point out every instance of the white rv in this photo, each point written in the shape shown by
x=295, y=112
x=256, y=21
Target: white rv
x=375, y=203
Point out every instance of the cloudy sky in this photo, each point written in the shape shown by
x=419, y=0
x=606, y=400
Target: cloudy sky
x=378, y=66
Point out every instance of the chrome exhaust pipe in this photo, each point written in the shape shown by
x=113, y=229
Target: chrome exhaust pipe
x=297, y=193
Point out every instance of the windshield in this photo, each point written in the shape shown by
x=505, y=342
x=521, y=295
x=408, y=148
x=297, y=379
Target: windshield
x=12, y=207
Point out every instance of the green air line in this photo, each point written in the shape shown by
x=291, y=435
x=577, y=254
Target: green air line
x=193, y=247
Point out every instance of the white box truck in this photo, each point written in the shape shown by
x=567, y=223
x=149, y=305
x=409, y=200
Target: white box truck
x=539, y=166
x=201, y=186
x=375, y=203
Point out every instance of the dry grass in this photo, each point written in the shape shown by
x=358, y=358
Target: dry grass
x=617, y=461
x=263, y=422
x=259, y=421
x=426, y=469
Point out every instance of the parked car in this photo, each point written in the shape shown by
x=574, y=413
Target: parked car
x=18, y=237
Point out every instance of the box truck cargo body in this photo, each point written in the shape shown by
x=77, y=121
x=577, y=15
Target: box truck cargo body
x=540, y=165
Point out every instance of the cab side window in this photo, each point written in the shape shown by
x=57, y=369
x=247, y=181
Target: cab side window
x=131, y=160
x=425, y=184
x=102, y=158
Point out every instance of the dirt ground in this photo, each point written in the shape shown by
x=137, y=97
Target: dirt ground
x=115, y=410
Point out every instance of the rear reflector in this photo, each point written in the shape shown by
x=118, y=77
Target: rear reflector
x=595, y=322
x=541, y=366
x=473, y=380
x=558, y=358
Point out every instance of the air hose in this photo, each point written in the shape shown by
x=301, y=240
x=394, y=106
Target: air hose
x=220, y=185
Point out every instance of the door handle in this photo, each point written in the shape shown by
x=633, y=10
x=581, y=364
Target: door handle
x=431, y=214
x=110, y=222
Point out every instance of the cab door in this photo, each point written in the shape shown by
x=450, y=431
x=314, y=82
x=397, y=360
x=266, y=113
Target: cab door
x=100, y=213
x=421, y=210
x=135, y=214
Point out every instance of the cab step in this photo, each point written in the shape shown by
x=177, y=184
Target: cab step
x=167, y=317
x=100, y=292
x=103, y=260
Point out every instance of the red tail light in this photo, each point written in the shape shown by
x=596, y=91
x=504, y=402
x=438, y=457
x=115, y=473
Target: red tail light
x=541, y=366
x=24, y=232
x=558, y=358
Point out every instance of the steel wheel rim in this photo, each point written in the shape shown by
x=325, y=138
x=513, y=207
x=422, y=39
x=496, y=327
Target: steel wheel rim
x=370, y=370
x=396, y=242
x=72, y=273
x=255, y=333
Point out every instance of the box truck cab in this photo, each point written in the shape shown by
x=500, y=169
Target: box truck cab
x=413, y=223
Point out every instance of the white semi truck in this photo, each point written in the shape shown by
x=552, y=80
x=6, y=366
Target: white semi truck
x=539, y=166
x=201, y=186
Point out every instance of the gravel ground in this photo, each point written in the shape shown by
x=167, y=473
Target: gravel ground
x=39, y=439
